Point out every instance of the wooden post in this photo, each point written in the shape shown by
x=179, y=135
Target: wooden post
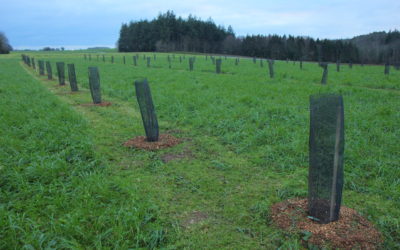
x=324, y=79
x=41, y=67
x=387, y=68
x=49, y=71
x=94, y=84
x=271, y=68
x=149, y=118
x=61, y=72
x=218, y=66
x=72, y=77
x=191, y=63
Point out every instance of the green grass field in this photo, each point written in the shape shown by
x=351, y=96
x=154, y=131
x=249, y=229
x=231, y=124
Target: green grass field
x=66, y=181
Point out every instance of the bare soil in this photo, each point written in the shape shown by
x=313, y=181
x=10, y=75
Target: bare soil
x=164, y=141
x=103, y=104
x=193, y=218
x=351, y=231
x=186, y=153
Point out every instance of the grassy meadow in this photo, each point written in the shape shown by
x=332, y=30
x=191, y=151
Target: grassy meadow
x=66, y=181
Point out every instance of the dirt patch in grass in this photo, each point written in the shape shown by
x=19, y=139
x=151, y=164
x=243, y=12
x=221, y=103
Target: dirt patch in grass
x=186, y=153
x=193, y=218
x=103, y=104
x=164, y=141
x=351, y=231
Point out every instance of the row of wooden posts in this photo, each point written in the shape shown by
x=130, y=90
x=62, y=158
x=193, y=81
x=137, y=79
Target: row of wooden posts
x=218, y=62
x=326, y=138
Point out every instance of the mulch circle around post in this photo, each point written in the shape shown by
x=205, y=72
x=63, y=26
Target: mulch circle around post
x=351, y=231
x=164, y=141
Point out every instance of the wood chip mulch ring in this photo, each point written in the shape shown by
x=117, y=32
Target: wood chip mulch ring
x=164, y=141
x=103, y=104
x=351, y=231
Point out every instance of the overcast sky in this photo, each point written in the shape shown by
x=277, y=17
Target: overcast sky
x=87, y=23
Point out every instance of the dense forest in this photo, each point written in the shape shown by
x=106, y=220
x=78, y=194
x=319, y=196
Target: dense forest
x=170, y=33
x=5, y=46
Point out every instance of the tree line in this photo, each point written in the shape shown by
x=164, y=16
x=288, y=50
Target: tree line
x=168, y=33
x=5, y=46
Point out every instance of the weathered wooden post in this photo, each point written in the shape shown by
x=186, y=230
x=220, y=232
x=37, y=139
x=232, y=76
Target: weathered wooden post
x=324, y=65
x=338, y=66
x=135, y=60
x=28, y=61
x=169, y=61
x=72, y=77
x=387, y=68
x=146, y=106
x=49, y=71
x=61, y=72
x=41, y=67
x=148, y=62
x=301, y=64
x=326, y=151
x=236, y=62
x=33, y=63
x=350, y=65
x=261, y=63
x=191, y=63
x=271, y=68
x=218, y=66
x=94, y=84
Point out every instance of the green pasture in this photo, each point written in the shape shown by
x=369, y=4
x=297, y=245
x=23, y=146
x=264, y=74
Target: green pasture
x=66, y=181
